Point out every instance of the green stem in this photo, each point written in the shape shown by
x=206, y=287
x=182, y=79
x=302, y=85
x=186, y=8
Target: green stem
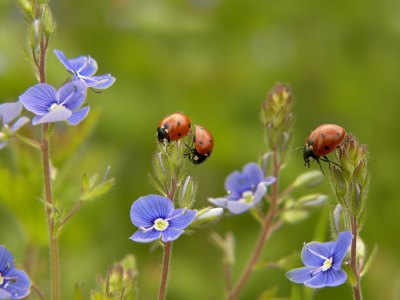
x=353, y=264
x=167, y=257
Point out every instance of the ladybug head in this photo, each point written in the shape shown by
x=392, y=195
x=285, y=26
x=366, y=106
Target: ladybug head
x=308, y=155
x=162, y=135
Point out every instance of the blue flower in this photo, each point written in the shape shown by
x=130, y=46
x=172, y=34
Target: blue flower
x=14, y=284
x=8, y=112
x=155, y=216
x=83, y=67
x=245, y=189
x=323, y=263
x=50, y=105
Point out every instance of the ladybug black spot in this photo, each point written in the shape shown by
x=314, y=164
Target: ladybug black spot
x=166, y=126
x=178, y=123
x=200, y=142
x=189, y=125
x=179, y=134
x=323, y=135
x=339, y=135
x=201, y=128
x=326, y=147
x=209, y=141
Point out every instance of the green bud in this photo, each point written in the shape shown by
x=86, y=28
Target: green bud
x=308, y=180
x=295, y=216
x=312, y=200
x=207, y=216
x=339, y=220
x=48, y=22
x=34, y=34
x=98, y=191
x=188, y=193
x=159, y=167
x=25, y=6
x=354, y=199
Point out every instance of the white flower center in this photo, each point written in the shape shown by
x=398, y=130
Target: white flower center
x=55, y=106
x=247, y=197
x=1, y=279
x=161, y=224
x=327, y=264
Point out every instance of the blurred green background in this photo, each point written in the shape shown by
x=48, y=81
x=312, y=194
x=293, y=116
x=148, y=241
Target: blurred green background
x=215, y=61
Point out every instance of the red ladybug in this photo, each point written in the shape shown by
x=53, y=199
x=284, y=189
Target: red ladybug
x=322, y=141
x=204, y=144
x=173, y=127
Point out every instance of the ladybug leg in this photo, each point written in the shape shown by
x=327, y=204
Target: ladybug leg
x=329, y=161
x=317, y=159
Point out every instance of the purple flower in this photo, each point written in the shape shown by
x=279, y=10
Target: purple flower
x=8, y=112
x=245, y=190
x=14, y=284
x=50, y=105
x=323, y=262
x=155, y=216
x=83, y=67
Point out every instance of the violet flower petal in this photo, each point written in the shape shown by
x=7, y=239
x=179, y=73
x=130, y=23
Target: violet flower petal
x=299, y=275
x=4, y=294
x=342, y=245
x=63, y=60
x=182, y=221
x=147, y=209
x=222, y=202
x=21, y=287
x=329, y=277
x=253, y=173
x=269, y=180
x=19, y=123
x=312, y=260
x=238, y=207
x=169, y=235
x=9, y=111
x=73, y=94
x=78, y=115
x=146, y=237
x=39, y=98
x=59, y=114
x=259, y=194
x=6, y=260
x=102, y=81
x=84, y=65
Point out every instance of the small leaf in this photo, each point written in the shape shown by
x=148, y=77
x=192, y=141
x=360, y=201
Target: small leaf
x=78, y=292
x=49, y=131
x=93, y=180
x=45, y=203
x=98, y=191
x=154, y=245
x=351, y=277
x=28, y=56
x=361, y=219
x=157, y=186
x=188, y=231
x=260, y=265
x=369, y=261
x=269, y=294
x=28, y=141
x=85, y=185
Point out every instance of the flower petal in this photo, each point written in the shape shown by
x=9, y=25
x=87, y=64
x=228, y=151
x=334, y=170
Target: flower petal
x=2, y=145
x=259, y=194
x=21, y=287
x=299, y=275
x=222, y=202
x=238, y=207
x=342, y=244
x=236, y=183
x=84, y=65
x=147, y=209
x=59, y=114
x=182, y=221
x=102, y=82
x=171, y=234
x=4, y=294
x=39, y=98
x=329, y=277
x=6, y=261
x=63, y=59
x=146, y=237
x=254, y=173
x=19, y=123
x=73, y=94
x=312, y=260
x=78, y=115
x=9, y=111
x=269, y=180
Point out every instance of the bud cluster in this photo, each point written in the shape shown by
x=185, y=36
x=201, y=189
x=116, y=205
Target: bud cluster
x=277, y=118
x=350, y=183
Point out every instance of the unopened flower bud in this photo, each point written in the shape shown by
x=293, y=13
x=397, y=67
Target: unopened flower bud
x=339, y=219
x=25, y=6
x=207, y=216
x=308, y=180
x=48, y=22
x=266, y=158
x=312, y=200
x=159, y=167
x=34, y=34
x=286, y=138
x=187, y=195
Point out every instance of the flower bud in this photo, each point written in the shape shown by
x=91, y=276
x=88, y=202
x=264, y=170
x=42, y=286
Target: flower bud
x=207, y=216
x=312, y=200
x=159, y=167
x=34, y=34
x=25, y=6
x=308, y=180
x=188, y=192
x=339, y=220
x=295, y=216
x=48, y=22
x=266, y=159
x=354, y=197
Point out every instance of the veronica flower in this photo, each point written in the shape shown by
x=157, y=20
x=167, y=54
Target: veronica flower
x=156, y=217
x=323, y=263
x=50, y=105
x=245, y=189
x=8, y=112
x=14, y=284
x=83, y=67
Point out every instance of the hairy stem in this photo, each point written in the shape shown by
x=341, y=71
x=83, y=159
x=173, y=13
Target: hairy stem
x=353, y=264
x=167, y=256
x=265, y=232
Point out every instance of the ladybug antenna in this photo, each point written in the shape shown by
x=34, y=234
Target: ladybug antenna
x=300, y=148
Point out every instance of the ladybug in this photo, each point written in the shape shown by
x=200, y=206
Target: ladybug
x=203, y=146
x=322, y=141
x=173, y=127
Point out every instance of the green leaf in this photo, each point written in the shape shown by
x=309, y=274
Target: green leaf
x=85, y=185
x=369, y=261
x=260, y=265
x=28, y=56
x=154, y=245
x=98, y=191
x=45, y=203
x=93, y=180
x=29, y=142
x=351, y=277
x=157, y=186
x=49, y=131
x=361, y=219
x=79, y=292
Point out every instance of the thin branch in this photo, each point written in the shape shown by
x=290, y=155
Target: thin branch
x=36, y=289
x=71, y=213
